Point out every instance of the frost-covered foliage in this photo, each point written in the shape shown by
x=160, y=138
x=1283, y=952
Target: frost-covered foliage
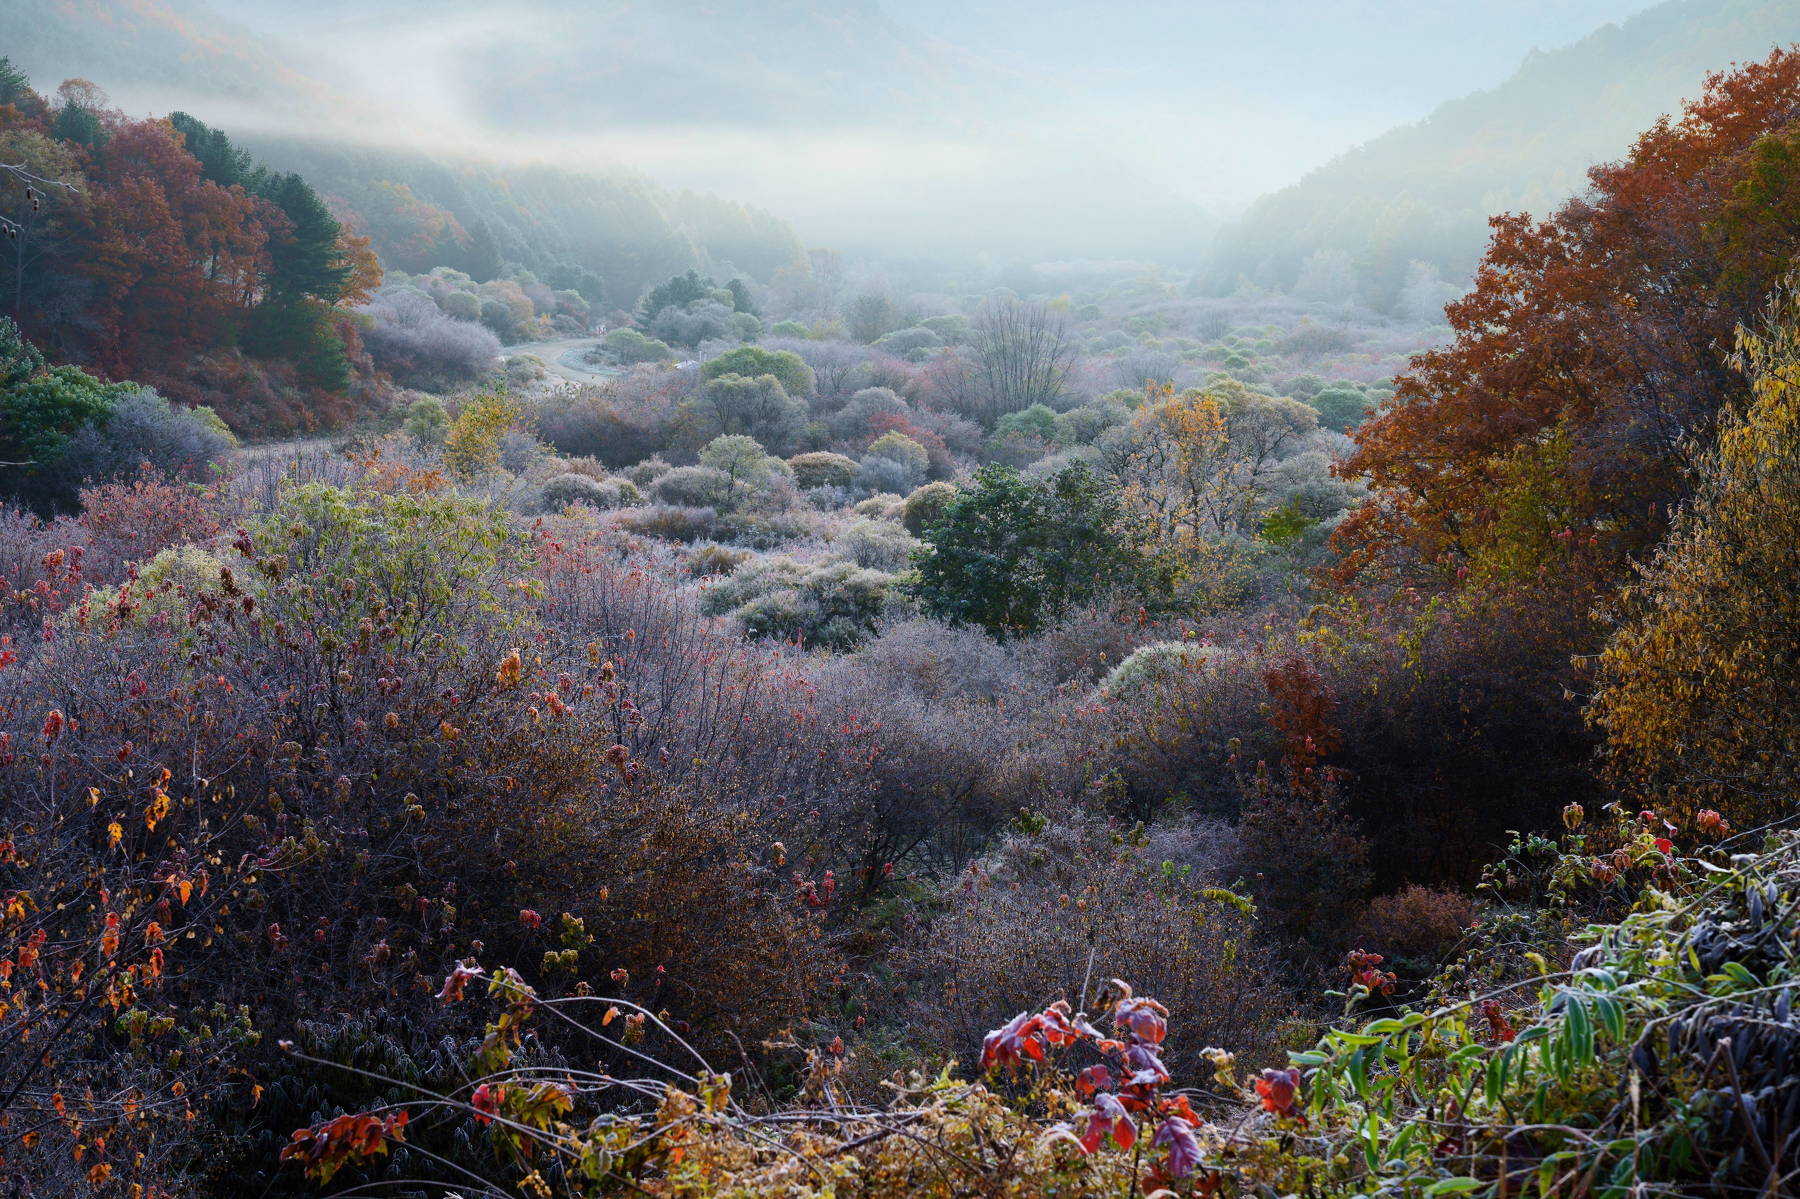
x=560, y=491
x=142, y=431
x=423, y=346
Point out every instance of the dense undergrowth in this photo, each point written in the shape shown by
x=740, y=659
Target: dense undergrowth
x=883, y=771
x=1654, y=1055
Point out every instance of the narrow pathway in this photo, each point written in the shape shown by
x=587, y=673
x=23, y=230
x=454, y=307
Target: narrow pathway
x=564, y=358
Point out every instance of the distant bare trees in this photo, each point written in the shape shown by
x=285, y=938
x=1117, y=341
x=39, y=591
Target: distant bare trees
x=1022, y=357
x=21, y=222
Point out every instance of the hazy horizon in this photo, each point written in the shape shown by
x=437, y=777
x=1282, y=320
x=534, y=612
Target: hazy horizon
x=868, y=120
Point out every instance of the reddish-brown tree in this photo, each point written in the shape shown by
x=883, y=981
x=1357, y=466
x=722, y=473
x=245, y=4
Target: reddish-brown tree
x=1590, y=351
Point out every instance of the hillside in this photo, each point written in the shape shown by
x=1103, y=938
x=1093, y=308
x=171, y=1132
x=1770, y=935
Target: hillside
x=1424, y=192
x=422, y=211
x=154, y=54
x=427, y=205
x=927, y=149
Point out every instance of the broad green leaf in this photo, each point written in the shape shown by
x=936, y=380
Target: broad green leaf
x=1738, y=973
x=1612, y=1017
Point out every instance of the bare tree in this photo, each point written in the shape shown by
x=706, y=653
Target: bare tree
x=20, y=228
x=1022, y=354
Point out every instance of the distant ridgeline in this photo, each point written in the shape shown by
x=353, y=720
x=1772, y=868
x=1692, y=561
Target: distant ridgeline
x=567, y=228
x=1412, y=205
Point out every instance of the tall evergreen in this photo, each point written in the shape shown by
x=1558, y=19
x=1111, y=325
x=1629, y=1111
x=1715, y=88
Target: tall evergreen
x=220, y=160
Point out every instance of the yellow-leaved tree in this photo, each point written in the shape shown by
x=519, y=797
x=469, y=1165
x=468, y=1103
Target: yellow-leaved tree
x=1192, y=468
x=1700, y=684
x=472, y=446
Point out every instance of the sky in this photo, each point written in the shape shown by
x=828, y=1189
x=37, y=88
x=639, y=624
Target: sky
x=1229, y=98
x=1255, y=92
x=953, y=121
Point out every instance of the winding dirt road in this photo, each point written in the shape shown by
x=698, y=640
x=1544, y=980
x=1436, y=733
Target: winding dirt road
x=564, y=358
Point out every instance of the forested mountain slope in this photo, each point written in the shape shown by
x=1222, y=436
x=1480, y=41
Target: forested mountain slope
x=1424, y=192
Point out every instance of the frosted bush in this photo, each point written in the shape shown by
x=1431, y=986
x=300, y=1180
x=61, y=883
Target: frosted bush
x=1161, y=662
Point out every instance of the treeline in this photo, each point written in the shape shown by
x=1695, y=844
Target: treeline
x=159, y=251
x=569, y=229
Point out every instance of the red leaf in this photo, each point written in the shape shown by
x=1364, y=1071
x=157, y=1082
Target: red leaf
x=1177, y=1136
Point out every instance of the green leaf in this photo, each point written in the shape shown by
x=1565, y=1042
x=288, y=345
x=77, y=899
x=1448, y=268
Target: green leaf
x=1612, y=1017
x=1359, y=1073
x=1580, y=1031
x=1738, y=973
x=1352, y=1040
x=1454, y=1186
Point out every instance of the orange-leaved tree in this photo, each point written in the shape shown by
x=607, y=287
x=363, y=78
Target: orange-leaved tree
x=1590, y=351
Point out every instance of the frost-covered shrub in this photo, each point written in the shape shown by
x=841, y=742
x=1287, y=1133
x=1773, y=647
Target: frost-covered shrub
x=938, y=661
x=461, y=305
x=1306, y=481
x=525, y=368
x=901, y=449
x=427, y=421
x=831, y=607
x=951, y=330
x=1038, y=421
x=1017, y=448
x=631, y=347
x=701, y=321
x=852, y=422
x=752, y=362
x=925, y=505
x=839, y=367
x=877, y=474
x=747, y=467
x=602, y=423
x=758, y=407
x=692, y=487
x=1048, y=468
x=751, y=580
x=877, y=544
x=164, y=589
x=572, y=488
x=649, y=470
x=142, y=430
x=1080, y=426
x=1162, y=661
x=1051, y=909
x=883, y=505
x=1341, y=406
x=710, y=561
x=519, y=451
x=416, y=342
x=671, y=523
x=822, y=469
x=914, y=344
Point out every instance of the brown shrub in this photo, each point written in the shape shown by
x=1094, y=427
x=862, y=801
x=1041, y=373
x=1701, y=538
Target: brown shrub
x=1416, y=926
x=1306, y=861
x=1076, y=901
